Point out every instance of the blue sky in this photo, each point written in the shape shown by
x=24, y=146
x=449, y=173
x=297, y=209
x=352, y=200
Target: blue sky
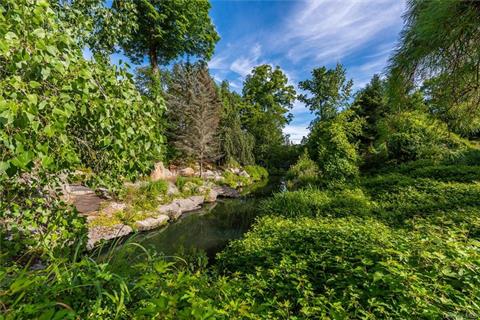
x=301, y=35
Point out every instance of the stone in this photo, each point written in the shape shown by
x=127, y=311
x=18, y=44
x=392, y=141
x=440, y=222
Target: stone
x=211, y=196
x=172, y=188
x=212, y=175
x=160, y=172
x=186, y=172
x=96, y=234
x=244, y=173
x=175, y=209
x=83, y=198
x=113, y=207
x=227, y=192
x=152, y=223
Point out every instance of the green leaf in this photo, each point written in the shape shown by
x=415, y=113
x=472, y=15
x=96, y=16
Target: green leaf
x=39, y=33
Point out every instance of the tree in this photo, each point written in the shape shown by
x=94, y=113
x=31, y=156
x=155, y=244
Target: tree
x=440, y=48
x=194, y=110
x=236, y=143
x=268, y=98
x=371, y=104
x=169, y=29
x=329, y=92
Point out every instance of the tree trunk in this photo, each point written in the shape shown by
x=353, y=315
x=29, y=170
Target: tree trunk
x=153, y=60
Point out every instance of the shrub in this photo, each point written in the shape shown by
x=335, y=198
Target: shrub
x=334, y=147
x=317, y=203
x=256, y=173
x=352, y=268
x=146, y=197
x=234, y=181
x=304, y=172
x=414, y=135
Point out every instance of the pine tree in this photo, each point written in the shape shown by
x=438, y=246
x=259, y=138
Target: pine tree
x=194, y=112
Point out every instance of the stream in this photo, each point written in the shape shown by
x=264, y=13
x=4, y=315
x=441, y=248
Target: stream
x=210, y=228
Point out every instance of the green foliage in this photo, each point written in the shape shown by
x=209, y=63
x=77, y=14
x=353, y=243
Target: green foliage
x=304, y=172
x=59, y=110
x=236, y=143
x=414, y=135
x=355, y=268
x=268, y=98
x=333, y=145
x=167, y=30
x=189, y=185
x=317, y=203
x=34, y=222
x=329, y=90
x=440, y=48
x=256, y=173
x=146, y=197
x=233, y=180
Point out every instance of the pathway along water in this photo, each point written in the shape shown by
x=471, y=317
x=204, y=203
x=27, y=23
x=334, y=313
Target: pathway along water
x=206, y=230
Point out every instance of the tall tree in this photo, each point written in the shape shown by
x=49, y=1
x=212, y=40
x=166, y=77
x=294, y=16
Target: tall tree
x=236, y=142
x=169, y=29
x=371, y=104
x=329, y=92
x=194, y=110
x=440, y=48
x=268, y=98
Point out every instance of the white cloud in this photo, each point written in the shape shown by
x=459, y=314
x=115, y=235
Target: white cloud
x=296, y=132
x=328, y=30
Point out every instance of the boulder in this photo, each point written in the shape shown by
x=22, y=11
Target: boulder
x=172, y=188
x=211, y=196
x=175, y=209
x=212, y=175
x=83, y=198
x=186, y=172
x=96, y=234
x=160, y=172
x=227, y=192
x=152, y=223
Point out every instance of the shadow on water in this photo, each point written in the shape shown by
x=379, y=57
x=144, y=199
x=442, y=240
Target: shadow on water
x=209, y=229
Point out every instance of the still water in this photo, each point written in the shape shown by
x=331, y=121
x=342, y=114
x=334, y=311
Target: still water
x=211, y=228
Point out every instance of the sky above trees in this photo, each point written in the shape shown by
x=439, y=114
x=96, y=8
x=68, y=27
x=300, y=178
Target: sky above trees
x=301, y=35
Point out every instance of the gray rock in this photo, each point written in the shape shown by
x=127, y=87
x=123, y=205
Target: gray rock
x=96, y=234
x=113, y=207
x=171, y=209
x=152, y=223
x=227, y=192
x=175, y=209
x=78, y=190
x=187, y=172
x=172, y=188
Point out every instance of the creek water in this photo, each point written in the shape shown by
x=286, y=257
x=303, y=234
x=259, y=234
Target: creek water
x=210, y=228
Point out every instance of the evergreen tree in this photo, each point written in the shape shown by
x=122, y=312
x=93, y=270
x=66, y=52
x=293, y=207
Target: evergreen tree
x=236, y=143
x=194, y=112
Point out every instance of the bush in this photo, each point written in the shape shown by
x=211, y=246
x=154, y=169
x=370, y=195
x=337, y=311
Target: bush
x=317, y=203
x=334, y=147
x=304, y=172
x=414, y=135
x=256, y=173
x=352, y=268
x=234, y=181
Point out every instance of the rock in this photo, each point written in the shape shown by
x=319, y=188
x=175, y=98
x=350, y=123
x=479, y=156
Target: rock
x=113, y=207
x=160, y=172
x=175, y=209
x=244, y=173
x=96, y=234
x=211, y=196
x=227, y=192
x=172, y=188
x=212, y=175
x=152, y=223
x=171, y=209
x=83, y=198
x=187, y=172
